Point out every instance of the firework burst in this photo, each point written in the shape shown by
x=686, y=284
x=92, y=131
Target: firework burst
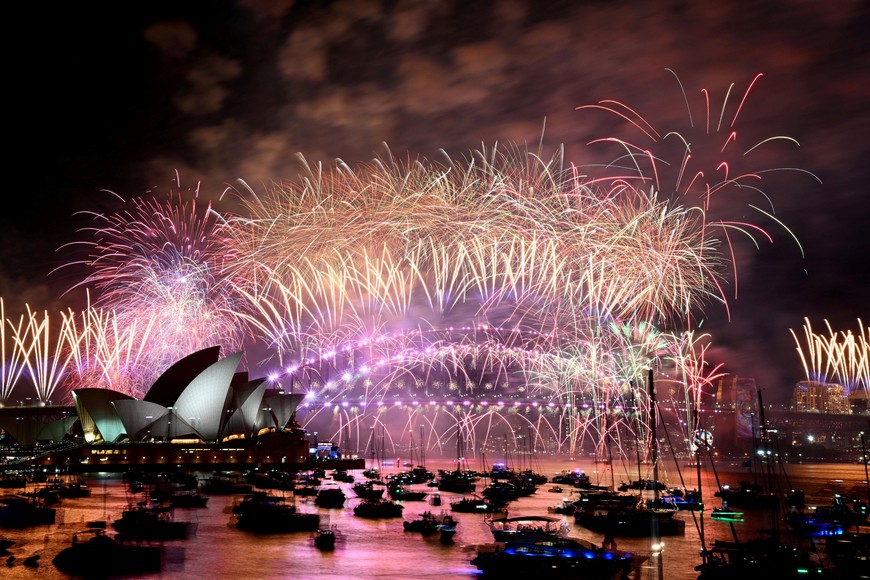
x=158, y=267
x=841, y=357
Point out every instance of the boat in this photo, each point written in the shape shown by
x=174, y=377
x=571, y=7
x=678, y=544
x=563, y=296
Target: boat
x=367, y=490
x=402, y=493
x=70, y=489
x=306, y=490
x=634, y=520
x=726, y=513
x=272, y=479
x=324, y=539
x=151, y=522
x=226, y=484
x=747, y=495
x=268, y=514
x=642, y=485
x=342, y=475
x=564, y=507
x=378, y=508
x=501, y=492
x=101, y=556
x=421, y=475
x=758, y=558
x=12, y=481
x=526, y=528
x=372, y=473
x=828, y=520
x=553, y=558
x=574, y=478
x=5, y=545
x=425, y=524
x=477, y=505
x=850, y=554
x=688, y=500
x=435, y=499
x=330, y=497
x=457, y=482
x=446, y=533
x=22, y=512
x=188, y=499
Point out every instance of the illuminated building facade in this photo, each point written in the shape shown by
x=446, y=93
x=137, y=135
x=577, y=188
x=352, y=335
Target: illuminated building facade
x=818, y=397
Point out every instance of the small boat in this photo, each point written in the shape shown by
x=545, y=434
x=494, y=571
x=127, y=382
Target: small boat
x=367, y=490
x=747, y=495
x=435, y=499
x=642, y=485
x=71, y=489
x=342, y=475
x=574, y=478
x=554, y=558
x=306, y=490
x=5, y=545
x=402, y=493
x=266, y=514
x=378, y=508
x=324, y=539
x=101, y=556
x=21, y=512
x=726, y=513
x=476, y=505
x=457, y=481
x=526, y=528
x=188, y=499
x=330, y=497
x=849, y=553
x=631, y=521
x=151, y=522
x=425, y=524
x=12, y=481
x=446, y=532
x=225, y=484
x=688, y=500
x=372, y=473
x=272, y=479
x=759, y=558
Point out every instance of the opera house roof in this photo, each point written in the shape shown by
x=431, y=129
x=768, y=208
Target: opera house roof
x=202, y=396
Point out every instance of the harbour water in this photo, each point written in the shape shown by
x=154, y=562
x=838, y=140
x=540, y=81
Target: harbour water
x=381, y=548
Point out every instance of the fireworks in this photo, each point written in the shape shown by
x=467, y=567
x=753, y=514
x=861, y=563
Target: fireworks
x=13, y=351
x=841, y=357
x=469, y=294
x=157, y=267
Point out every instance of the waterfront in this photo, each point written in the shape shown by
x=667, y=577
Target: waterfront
x=381, y=548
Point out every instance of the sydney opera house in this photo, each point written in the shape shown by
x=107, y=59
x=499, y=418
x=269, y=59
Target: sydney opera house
x=202, y=410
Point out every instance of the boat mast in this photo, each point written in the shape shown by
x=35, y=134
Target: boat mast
x=654, y=449
x=700, y=439
x=765, y=450
x=458, y=448
x=656, y=536
x=422, y=460
x=864, y=459
x=637, y=428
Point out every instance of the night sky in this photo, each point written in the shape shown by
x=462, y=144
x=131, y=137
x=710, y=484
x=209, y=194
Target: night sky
x=124, y=96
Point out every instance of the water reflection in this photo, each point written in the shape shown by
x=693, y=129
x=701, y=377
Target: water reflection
x=381, y=548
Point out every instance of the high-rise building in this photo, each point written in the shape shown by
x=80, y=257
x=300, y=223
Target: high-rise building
x=740, y=395
x=815, y=396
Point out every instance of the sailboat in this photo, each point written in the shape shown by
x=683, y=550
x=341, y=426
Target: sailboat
x=763, y=556
x=634, y=518
x=458, y=480
x=419, y=473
